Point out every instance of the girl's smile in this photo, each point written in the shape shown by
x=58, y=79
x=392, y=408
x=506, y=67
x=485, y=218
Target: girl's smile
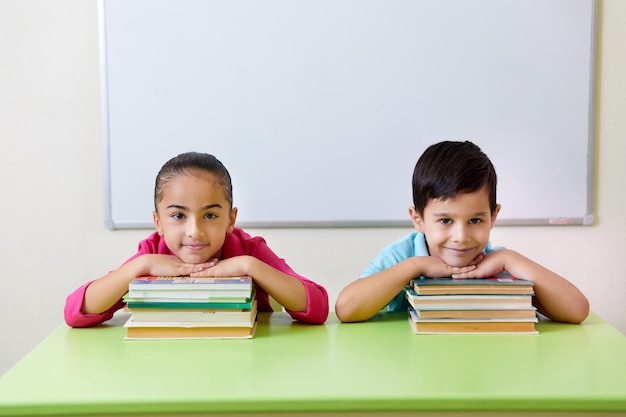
x=195, y=246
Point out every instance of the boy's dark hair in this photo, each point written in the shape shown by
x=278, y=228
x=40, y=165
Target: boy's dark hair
x=187, y=163
x=447, y=169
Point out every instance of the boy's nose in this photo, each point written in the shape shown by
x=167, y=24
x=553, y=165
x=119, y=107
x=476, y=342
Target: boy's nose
x=460, y=233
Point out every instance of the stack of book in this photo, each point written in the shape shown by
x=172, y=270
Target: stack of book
x=489, y=305
x=191, y=308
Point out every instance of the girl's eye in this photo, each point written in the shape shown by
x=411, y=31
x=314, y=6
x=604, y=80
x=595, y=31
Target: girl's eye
x=178, y=216
x=210, y=216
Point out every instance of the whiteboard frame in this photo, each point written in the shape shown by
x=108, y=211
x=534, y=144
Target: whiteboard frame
x=586, y=220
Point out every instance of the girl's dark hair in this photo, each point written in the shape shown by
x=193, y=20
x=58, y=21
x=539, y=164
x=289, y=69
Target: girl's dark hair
x=447, y=168
x=187, y=163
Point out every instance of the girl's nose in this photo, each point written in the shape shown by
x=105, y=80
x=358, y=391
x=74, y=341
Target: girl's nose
x=194, y=230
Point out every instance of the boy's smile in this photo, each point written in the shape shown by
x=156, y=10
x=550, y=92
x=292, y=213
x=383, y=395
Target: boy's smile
x=457, y=229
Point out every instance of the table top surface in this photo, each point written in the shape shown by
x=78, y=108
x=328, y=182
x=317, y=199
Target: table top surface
x=379, y=365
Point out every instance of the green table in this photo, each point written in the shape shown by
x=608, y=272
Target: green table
x=378, y=367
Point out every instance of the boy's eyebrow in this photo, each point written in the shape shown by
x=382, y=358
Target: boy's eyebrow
x=446, y=214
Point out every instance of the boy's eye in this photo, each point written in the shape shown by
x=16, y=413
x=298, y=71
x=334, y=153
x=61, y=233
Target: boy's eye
x=445, y=221
x=475, y=221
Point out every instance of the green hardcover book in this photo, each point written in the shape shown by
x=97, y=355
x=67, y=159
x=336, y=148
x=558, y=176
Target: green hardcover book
x=192, y=305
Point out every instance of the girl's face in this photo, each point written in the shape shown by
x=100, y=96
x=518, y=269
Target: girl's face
x=457, y=229
x=194, y=217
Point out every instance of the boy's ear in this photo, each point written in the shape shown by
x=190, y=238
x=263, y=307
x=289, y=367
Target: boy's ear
x=157, y=223
x=494, y=215
x=417, y=220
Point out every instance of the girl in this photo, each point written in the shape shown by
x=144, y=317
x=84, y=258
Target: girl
x=196, y=235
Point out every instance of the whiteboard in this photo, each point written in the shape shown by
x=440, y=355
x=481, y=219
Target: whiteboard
x=320, y=108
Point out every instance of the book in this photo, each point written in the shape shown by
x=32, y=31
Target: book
x=474, y=326
x=186, y=304
x=222, y=304
x=203, y=295
x=492, y=285
x=191, y=308
x=188, y=287
x=152, y=283
x=161, y=331
x=499, y=304
x=472, y=301
x=476, y=313
x=197, y=315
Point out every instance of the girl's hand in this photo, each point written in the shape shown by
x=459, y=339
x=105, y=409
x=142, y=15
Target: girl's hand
x=104, y=292
x=171, y=266
x=231, y=267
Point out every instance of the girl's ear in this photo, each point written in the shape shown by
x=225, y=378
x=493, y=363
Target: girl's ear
x=157, y=223
x=417, y=220
x=232, y=220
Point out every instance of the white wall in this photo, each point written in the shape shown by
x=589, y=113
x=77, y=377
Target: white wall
x=52, y=236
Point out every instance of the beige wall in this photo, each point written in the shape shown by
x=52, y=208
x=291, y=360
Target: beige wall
x=52, y=237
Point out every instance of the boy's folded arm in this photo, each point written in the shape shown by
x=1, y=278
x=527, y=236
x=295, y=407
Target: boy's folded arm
x=363, y=298
x=555, y=296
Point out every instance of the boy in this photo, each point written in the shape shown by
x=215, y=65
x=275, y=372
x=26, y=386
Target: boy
x=454, y=195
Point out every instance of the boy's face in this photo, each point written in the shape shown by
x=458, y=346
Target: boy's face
x=194, y=217
x=457, y=229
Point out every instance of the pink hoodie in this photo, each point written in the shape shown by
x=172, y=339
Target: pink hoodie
x=237, y=243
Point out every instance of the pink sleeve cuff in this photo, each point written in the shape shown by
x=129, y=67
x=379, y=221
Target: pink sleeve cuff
x=74, y=317
x=317, y=308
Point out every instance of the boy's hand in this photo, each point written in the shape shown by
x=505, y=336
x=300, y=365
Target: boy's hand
x=478, y=258
x=485, y=266
x=435, y=267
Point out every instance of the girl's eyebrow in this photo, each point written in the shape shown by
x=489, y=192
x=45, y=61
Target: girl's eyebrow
x=207, y=207
x=176, y=206
x=210, y=206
